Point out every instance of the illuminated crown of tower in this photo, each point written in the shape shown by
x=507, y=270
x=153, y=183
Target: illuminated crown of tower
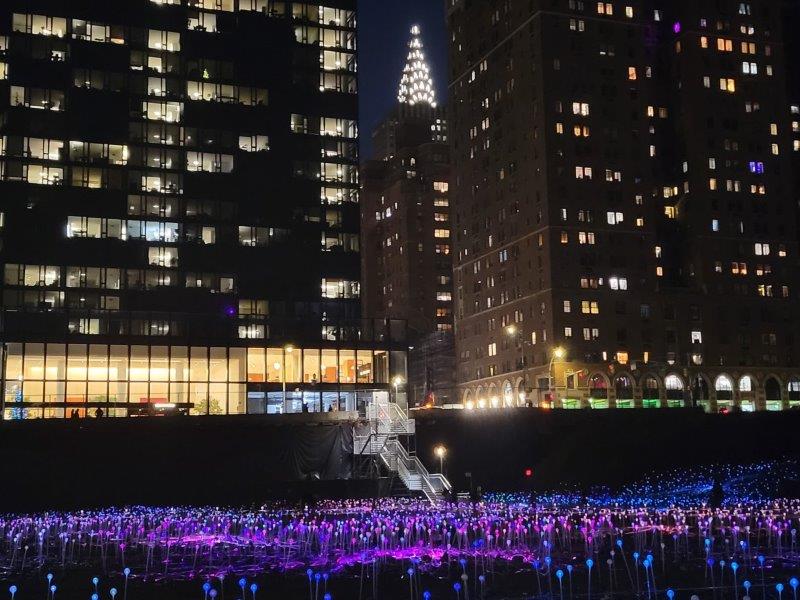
x=416, y=85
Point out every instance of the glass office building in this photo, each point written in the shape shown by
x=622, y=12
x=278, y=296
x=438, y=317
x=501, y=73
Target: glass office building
x=179, y=210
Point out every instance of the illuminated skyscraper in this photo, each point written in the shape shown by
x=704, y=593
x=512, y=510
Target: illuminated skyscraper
x=625, y=223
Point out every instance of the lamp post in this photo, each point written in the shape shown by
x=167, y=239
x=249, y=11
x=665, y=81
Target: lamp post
x=440, y=451
x=558, y=353
x=281, y=368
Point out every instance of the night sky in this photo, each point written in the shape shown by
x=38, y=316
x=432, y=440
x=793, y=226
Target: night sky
x=384, y=31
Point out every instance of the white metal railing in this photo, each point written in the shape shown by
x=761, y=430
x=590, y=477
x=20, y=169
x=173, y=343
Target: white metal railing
x=379, y=438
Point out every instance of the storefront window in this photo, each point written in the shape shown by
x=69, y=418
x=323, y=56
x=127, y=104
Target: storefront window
x=159, y=364
x=237, y=364
x=217, y=398
x=198, y=396
x=98, y=363
x=179, y=364
x=218, y=365
x=255, y=365
x=34, y=361
x=140, y=364
x=347, y=366
x=138, y=393
x=365, y=374
x=237, y=399
x=275, y=364
x=311, y=366
x=294, y=365
x=329, y=367
x=198, y=364
x=58, y=380
x=118, y=363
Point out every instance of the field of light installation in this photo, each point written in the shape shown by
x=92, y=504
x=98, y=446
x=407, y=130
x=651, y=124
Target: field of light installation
x=656, y=539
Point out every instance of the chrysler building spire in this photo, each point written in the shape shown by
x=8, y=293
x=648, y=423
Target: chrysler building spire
x=416, y=85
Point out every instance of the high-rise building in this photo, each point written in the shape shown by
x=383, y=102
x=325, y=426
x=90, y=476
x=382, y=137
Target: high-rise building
x=179, y=208
x=625, y=225
x=407, y=261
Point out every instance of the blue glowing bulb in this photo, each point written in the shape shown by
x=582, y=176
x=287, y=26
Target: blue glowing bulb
x=559, y=573
x=426, y=595
x=49, y=577
x=95, y=580
x=53, y=589
x=327, y=597
x=779, y=587
x=761, y=559
x=746, y=583
x=619, y=543
x=253, y=588
x=12, y=590
x=242, y=583
x=95, y=597
x=635, y=556
x=589, y=563
x=569, y=568
x=457, y=587
x=206, y=587
x=410, y=571
x=482, y=578
x=126, y=571
x=670, y=594
x=317, y=576
x=113, y=592
x=794, y=582
x=213, y=593
x=547, y=560
x=309, y=573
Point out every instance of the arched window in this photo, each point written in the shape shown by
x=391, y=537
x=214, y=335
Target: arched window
x=724, y=388
x=700, y=388
x=623, y=386
x=772, y=390
x=508, y=394
x=598, y=388
x=674, y=387
x=650, y=388
x=794, y=389
x=746, y=384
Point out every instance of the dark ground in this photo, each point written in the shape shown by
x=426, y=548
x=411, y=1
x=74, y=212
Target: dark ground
x=245, y=460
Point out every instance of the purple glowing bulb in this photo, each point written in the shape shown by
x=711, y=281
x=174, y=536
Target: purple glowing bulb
x=212, y=593
x=676, y=27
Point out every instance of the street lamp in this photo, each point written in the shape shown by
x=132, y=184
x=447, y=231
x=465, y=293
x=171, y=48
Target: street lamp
x=397, y=381
x=281, y=368
x=440, y=451
x=558, y=353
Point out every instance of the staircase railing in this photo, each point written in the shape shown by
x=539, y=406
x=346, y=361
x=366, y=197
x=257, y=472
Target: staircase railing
x=413, y=473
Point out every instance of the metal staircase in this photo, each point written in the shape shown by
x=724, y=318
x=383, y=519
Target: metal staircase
x=385, y=423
